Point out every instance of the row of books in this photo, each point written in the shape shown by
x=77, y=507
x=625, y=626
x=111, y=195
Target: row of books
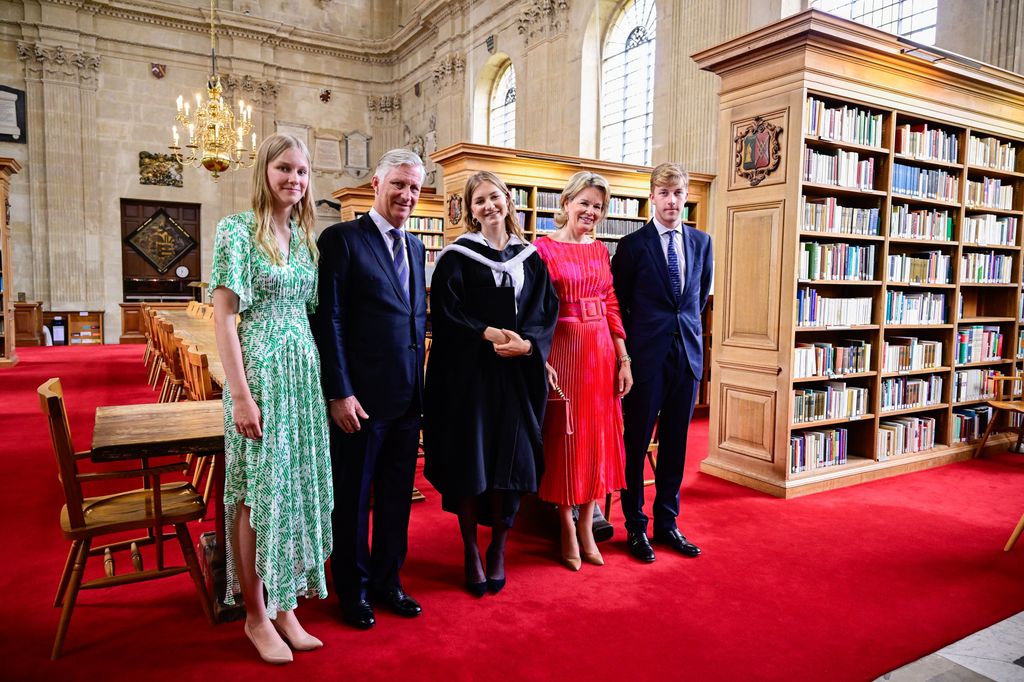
x=820, y=311
x=624, y=206
x=902, y=393
x=922, y=142
x=432, y=257
x=909, y=353
x=824, y=448
x=836, y=400
x=990, y=229
x=836, y=261
x=843, y=124
x=827, y=215
x=988, y=151
x=970, y=422
x=978, y=343
x=902, y=307
x=986, y=267
x=974, y=384
x=850, y=356
x=432, y=241
x=990, y=193
x=843, y=169
x=923, y=223
x=548, y=199
x=925, y=267
x=520, y=196
x=903, y=435
x=425, y=224
x=619, y=226
x=924, y=183
x=546, y=223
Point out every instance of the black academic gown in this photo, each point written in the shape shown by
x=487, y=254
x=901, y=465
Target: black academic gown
x=483, y=413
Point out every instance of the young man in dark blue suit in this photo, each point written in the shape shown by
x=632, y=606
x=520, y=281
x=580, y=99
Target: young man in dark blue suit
x=369, y=328
x=662, y=276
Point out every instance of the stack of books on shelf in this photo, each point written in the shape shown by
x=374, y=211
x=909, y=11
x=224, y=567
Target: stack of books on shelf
x=842, y=169
x=837, y=261
x=903, y=435
x=820, y=311
x=624, y=206
x=824, y=448
x=902, y=307
x=844, y=123
x=970, y=422
x=924, y=223
x=988, y=151
x=908, y=354
x=974, y=384
x=925, y=267
x=924, y=183
x=921, y=142
x=546, y=199
x=979, y=343
x=990, y=193
x=986, y=267
x=432, y=241
x=988, y=229
x=546, y=223
x=618, y=227
x=421, y=224
x=836, y=400
x=827, y=215
x=520, y=196
x=903, y=393
x=850, y=356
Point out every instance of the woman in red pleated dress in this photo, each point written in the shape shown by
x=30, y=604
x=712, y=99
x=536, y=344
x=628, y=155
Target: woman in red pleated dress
x=588, y=362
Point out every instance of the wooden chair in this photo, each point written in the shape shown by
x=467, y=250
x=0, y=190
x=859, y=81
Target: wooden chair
x=196, y=368
x=208, y=312
x=149, y=509
x=174, y=383
x=192, y=309
x=155, y=356
x=1006, y=400
x=1015, y=534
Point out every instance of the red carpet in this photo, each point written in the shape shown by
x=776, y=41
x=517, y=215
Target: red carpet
x=844, y=585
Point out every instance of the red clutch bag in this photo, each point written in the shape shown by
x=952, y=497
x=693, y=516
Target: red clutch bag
x=558, y=412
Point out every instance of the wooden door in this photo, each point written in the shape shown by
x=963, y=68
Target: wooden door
x=151, y=258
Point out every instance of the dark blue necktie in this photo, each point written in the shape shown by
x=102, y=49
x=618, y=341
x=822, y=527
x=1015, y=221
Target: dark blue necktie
x=401, y=262
x=673, y=265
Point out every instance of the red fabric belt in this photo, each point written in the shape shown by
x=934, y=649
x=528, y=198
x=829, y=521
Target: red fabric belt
x=586, y=309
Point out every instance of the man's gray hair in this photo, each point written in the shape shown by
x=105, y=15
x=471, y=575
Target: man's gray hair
x=396, y=158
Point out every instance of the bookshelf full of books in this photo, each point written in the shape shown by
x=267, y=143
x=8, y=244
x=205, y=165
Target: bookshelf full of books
x=870, y=290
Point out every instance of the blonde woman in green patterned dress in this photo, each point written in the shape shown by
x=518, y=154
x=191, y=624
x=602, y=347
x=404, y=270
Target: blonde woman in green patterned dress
x=278, y=492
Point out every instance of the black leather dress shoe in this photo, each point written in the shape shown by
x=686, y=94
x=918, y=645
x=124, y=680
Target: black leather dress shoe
x=640, y=547
x=358, y=614
x=677, y=541
x=399, y=602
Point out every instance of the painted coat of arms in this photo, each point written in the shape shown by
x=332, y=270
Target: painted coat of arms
x=758, y=151
x=455, y=209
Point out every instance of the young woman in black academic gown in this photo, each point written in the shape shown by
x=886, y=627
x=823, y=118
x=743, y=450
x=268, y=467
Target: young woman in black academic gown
x=493, y=314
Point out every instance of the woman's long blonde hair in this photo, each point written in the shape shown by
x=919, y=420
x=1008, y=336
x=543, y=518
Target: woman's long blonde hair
x=303, y=212
x=512, y=225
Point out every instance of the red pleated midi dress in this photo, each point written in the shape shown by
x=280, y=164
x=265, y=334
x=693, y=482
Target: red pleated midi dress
x=588, y=463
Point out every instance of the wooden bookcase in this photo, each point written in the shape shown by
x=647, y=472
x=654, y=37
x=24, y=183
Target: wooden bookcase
x=536, y=180
x=427, y=222
x=905, y=164
x=8, y=355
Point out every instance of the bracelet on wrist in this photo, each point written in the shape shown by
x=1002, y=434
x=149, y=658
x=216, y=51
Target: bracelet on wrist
x=624, y=358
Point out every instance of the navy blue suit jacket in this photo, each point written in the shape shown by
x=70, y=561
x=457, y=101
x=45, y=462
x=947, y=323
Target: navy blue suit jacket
x=371, y=340
x=651, y=313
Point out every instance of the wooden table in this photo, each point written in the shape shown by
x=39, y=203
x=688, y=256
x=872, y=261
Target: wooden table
x=125, y=432
x=200, y=334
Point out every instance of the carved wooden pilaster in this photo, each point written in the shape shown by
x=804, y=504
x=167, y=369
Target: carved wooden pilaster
x=61, y=83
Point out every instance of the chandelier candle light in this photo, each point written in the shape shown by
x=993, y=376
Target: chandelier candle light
x=216, y=140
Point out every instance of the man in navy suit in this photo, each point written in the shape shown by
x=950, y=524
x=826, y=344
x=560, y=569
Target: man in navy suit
x=662, y=276
x=369, y=327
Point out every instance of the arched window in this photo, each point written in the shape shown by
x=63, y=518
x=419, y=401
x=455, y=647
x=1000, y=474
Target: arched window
x=501, y=129
x=913, y=19
x=627, y=85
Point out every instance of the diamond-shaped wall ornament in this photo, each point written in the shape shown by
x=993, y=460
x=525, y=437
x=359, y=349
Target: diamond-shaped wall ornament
x=161, y=241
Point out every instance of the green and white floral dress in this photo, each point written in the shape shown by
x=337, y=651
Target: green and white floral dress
x=285, y=478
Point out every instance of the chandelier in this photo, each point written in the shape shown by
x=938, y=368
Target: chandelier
x=216, y=139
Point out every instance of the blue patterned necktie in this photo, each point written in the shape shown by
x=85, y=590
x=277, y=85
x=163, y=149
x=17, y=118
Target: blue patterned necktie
x=400, y=261
x=673, y=265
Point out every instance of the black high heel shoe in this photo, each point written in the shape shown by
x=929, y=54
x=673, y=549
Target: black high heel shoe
x=495, y=585
x=477, y=589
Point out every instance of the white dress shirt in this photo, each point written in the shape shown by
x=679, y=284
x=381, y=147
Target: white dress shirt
x=385, y=229
x=677, y=236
